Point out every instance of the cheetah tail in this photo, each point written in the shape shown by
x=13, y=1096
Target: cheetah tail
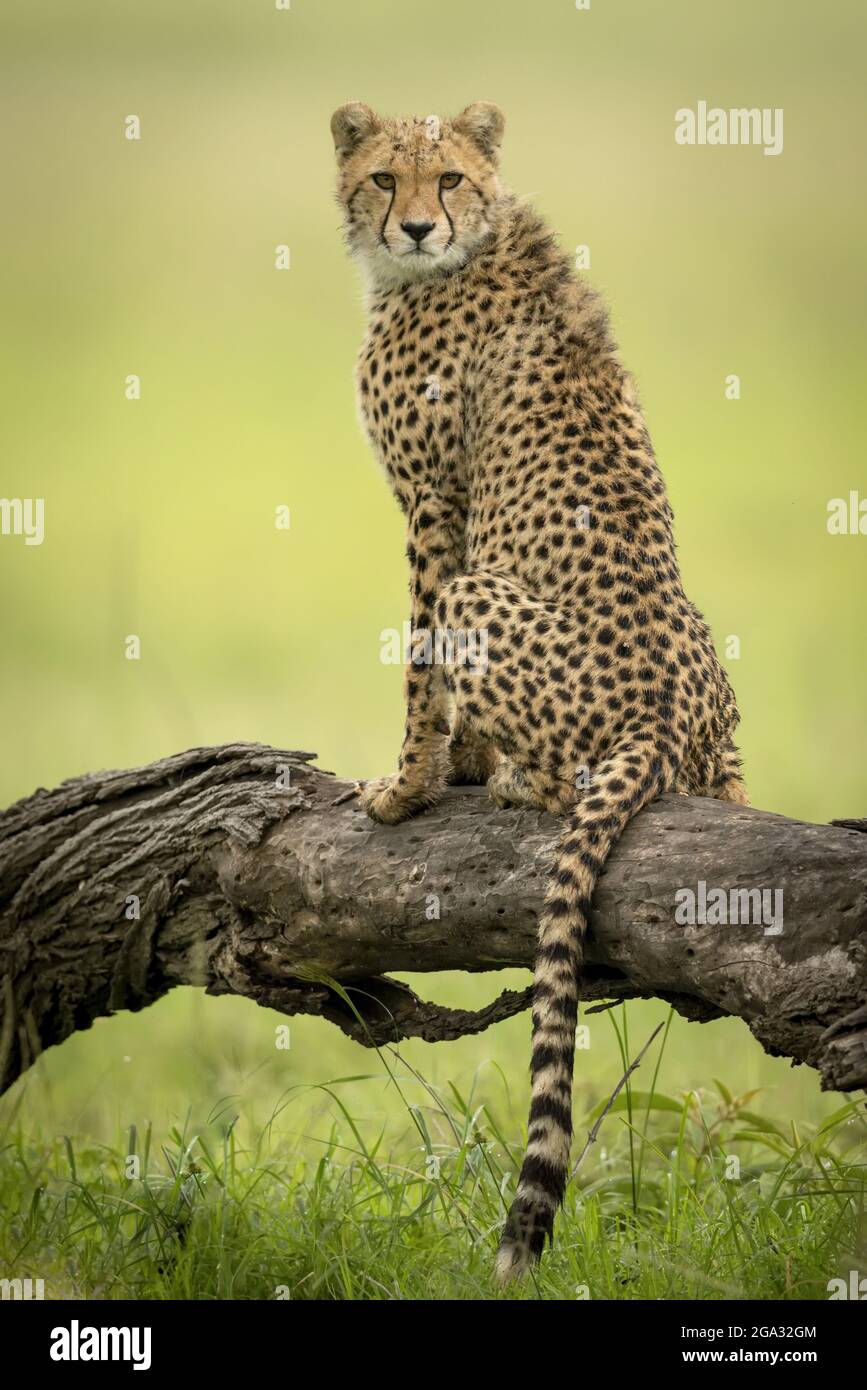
x=621, y=786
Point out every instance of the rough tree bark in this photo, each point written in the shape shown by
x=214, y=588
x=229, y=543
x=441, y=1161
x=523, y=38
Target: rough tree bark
x=247, y=871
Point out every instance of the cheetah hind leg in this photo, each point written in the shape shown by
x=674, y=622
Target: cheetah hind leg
x=473, y=759
x=509, y=787
x=728, y=784
x=475, y=762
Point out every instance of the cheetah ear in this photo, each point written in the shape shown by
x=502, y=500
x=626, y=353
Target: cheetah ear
x=483, y=123
x=350, y=125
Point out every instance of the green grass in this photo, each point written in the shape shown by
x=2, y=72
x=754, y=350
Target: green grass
x=697, y=1195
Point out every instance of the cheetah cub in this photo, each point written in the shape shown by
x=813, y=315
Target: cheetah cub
x=537, y=519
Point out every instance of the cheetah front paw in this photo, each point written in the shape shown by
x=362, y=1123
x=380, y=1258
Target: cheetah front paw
x=390, y=800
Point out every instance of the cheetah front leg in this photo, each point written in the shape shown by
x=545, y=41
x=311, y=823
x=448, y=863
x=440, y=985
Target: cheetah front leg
x=434, y=540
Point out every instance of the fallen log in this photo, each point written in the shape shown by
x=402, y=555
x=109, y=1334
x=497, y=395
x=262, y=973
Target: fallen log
x=248, y=871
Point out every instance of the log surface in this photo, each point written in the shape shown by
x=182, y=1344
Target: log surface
x=246, y=870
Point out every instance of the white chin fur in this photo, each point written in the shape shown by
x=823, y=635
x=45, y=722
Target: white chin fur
x=384, y=271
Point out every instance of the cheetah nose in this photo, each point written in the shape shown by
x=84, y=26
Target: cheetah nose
x=417, y=230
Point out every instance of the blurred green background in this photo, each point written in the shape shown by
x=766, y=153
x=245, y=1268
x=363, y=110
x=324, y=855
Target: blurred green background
x=156, y=258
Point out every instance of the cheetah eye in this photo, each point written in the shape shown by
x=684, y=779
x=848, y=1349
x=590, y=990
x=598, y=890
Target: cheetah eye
x=450, y=180
x=383, y=180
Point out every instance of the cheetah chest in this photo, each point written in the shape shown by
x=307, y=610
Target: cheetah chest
x=412, y=397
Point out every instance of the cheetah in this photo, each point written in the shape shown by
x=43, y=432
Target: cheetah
x=512, y=438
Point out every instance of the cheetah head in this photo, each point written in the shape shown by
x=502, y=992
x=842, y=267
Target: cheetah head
x=419, y=196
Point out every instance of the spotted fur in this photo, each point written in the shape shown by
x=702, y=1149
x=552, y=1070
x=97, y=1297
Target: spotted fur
x=536, y=513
